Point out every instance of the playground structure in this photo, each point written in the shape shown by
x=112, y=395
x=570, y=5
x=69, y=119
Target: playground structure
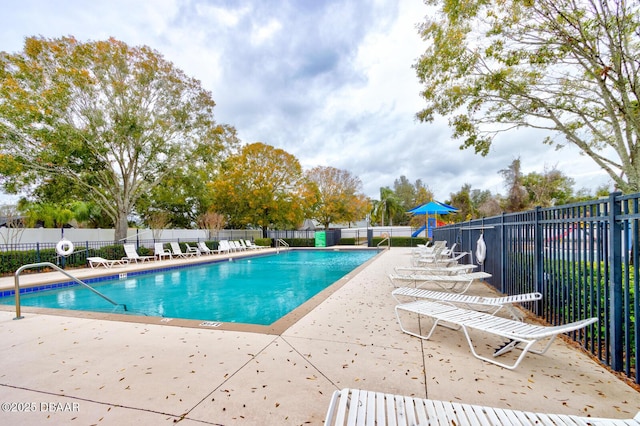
x=433, y=223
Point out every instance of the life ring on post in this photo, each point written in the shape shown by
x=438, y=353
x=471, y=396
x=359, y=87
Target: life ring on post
x=64, y=247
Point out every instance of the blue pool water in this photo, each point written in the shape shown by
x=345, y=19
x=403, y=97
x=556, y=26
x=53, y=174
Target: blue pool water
x=256, y=290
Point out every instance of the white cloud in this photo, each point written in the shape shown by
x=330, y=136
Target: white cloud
x=262, y=33
x=220, y=15
x=330, y=82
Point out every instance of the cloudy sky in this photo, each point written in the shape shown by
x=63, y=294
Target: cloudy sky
x=330, y=82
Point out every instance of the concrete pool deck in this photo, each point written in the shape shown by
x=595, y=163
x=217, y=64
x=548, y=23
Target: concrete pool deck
x=70, y=370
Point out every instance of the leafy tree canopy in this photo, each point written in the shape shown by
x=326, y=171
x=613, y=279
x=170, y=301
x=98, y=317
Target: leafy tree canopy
x=463, y=202
x=338, y=196
x=558, y=65
x=410, y=195
x=517, y=196
x=524, y=192
x=114, y=120
x=262, y=187
x=549, y=188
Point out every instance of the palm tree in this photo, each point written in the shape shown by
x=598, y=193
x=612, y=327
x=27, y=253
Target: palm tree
x=51, y=215
x=389, y=204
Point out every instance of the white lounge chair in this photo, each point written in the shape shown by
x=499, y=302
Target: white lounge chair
x=195, y=251
x=202, y=246
x=107, y=263
x=436, y=270
x=252, y=245
x=428, y=254
x=224, y=246
x=517, y=332
x=459, y=283
x=424, y=249
x=359, y=407
x=439, y=260
x=132, y=254
x=439, y=249
x=449, y=252
x=177, y=251
x=492, y=304
x=160, y=252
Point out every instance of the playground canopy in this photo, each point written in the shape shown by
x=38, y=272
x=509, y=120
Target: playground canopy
x=431, y=208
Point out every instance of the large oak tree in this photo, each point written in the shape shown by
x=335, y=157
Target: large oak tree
x=339, y=197
x=113, y=119
x=262, y=187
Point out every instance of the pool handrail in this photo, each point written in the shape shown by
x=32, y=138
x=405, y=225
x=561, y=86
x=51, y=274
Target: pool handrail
x=280, y=242
x=386, y=239
x=56, y=267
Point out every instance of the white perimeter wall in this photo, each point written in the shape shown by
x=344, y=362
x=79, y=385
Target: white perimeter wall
x=49, y=235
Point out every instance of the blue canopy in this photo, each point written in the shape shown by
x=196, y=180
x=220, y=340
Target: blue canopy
x=433, y=207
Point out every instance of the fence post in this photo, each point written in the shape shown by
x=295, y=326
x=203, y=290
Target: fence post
x=63, y=259
x=615, y=283
x=503, y=252
x=538, y=251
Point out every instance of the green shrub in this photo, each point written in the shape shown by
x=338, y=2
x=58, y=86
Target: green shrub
x=300, y=242
x=400, y=241
x=11, y=261
x=347, y=241
x=115, y=251
x=267, y=242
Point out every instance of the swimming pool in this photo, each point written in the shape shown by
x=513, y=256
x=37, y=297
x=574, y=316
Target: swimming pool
x=252, y=290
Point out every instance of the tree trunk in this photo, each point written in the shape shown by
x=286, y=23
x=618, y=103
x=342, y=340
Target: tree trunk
x=121, y=227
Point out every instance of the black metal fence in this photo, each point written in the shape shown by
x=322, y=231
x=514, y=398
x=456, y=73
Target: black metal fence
x=15, y=255
x=581, y=257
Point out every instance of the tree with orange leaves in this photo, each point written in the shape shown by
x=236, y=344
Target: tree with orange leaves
x=339, y=198
x=262, y=187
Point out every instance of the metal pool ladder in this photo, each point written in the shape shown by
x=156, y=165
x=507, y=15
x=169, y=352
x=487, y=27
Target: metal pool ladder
x=281, y=242
x=57, y=268
x=386, y=239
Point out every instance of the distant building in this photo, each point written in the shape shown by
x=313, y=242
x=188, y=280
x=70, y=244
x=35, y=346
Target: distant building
x=12, y=222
